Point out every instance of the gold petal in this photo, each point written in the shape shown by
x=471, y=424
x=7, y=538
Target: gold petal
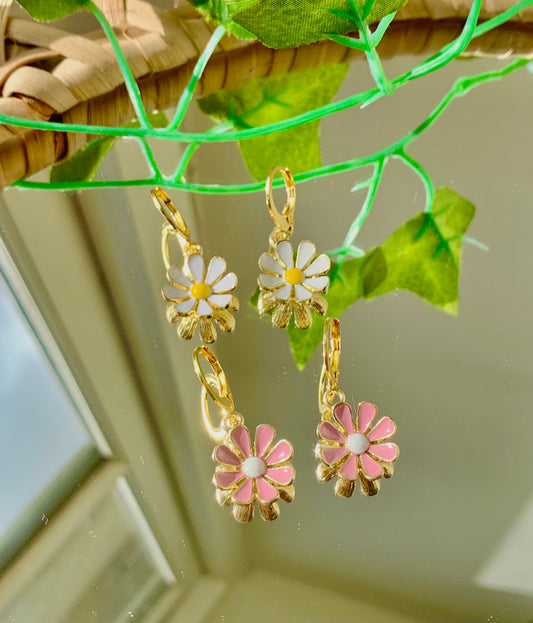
x=388, y=469
x=225, y=319
x=326, y=472
x=344, y=488
x=234, y=305
x=266, y=302
x=243, y=513
x=282, y=315
x=319, y=304
x=369, y=487
x=172, y=314
x=269, y=512
x=223, y=497
x=286, y=493
x=302, y=315
x=207, y=330
x=186, y=327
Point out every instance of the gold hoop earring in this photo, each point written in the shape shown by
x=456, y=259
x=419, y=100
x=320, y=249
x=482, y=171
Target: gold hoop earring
x=247, y=473
x=197, y=296
x=349, y=447
x=290, y=282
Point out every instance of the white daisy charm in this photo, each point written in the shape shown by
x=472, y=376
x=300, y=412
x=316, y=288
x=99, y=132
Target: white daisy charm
x=290, y=284
x=197, y=297
x=293, y=285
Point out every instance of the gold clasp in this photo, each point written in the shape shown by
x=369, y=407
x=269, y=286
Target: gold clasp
x=215, y=386
x=329, y=392
x=175, y=226
x=284, y=220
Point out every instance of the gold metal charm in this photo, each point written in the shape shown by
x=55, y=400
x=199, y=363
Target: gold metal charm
x=290, y=283
x=197, y=296
x=247, y=472
x=350, y=447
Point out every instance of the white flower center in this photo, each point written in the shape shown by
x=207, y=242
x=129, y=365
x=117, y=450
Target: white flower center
x=357, y=443
x=254, y=467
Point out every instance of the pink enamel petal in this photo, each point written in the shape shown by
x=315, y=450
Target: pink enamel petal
x=343, y=415
x=227, y=479
x=349, y=469
x=263, y=438
x=282, y=451
x=384, y=429
x=371, y=468
x=385, y=451
x=365, y=414
x=329, y=432
x=332, y=455
x=266, y=491
x=241, y=438
x=280, y=475
x=244, y=493
x=195, y=264
x=226, y=456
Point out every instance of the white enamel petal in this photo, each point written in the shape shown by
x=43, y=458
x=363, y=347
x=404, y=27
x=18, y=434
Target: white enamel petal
x=283, y=293
x=204, y=309
x=268, y=263
x=301, y=293
x=216, y=269
x=306, y=252
x=226, y=284
x=285, y=253
x=320, y=265
x=196, y=267
x=267, y=281
x=170, y=292
x=186, y=306
x=220, y=300
x=317, y=283
x=177, y=276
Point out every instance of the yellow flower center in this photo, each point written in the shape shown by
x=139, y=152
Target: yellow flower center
x=294, y=276
x=200, y=290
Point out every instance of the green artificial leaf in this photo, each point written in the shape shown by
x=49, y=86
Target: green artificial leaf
x=291, y=23
x=83, y=165
x=267, y=100
x=49, y=10
x=424, y=255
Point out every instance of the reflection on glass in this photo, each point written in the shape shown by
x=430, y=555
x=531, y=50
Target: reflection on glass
x=111, y=565
x=41, y=432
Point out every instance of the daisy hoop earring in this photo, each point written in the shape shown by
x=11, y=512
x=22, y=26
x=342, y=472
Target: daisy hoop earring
x=197, y=296
x=290, y=282
x=351, y=448
x=247, y=473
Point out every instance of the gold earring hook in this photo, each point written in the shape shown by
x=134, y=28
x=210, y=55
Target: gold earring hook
x=329, y=379
x=175, y=226
x=215, y=386
x=284, y=220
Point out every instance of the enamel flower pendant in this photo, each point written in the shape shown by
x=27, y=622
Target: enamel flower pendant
x=290, y=283
x=248, y=473
x=198, y=296
x=351, y=447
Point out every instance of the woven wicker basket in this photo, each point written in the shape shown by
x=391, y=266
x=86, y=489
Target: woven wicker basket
x=50, y=73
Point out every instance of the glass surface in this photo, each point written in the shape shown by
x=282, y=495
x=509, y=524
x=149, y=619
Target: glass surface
x=107, y=570
x=42, y=436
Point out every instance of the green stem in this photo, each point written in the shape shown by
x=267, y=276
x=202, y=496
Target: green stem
x=198, y=70
x=131, y=85
x=422, y=174
x=150, y=159
x=460, y=88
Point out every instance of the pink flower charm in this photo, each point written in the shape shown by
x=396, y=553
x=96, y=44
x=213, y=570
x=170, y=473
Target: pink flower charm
x=246, y=475
x=350, y=448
